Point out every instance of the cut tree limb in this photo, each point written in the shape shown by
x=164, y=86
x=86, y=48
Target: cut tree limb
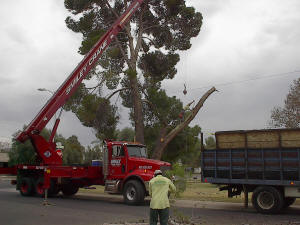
x=164, y=139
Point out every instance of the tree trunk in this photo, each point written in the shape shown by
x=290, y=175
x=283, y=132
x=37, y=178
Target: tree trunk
x=166, y=139
x=137, y=111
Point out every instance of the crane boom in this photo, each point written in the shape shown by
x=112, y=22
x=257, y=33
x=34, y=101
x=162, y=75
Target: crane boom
x=65, y=91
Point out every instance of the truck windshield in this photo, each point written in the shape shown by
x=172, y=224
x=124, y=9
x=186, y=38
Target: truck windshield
x=137, y=151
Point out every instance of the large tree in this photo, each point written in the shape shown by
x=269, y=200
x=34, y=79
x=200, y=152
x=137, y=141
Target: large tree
x=289, y=115
x=145, y=52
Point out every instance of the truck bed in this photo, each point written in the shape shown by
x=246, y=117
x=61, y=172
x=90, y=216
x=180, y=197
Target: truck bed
x=271, y=166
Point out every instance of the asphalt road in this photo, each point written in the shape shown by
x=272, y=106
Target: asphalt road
x=18, y=210
x=91, y=210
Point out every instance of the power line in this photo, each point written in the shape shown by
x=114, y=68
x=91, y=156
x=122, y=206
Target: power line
x=252, y=79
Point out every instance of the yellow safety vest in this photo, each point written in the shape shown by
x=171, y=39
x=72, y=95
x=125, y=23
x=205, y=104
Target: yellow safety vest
x=159, y=187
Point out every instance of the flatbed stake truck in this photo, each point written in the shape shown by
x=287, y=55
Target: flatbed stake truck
x=264, y=162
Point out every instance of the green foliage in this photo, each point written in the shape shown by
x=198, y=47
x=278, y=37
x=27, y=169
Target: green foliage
x=96, y=112
x=131, y=73
x=21, y=154
x=185, y=146
x=177, y=174
x=73, y=151
x=163, y=109
x=93, y=152
x=210, y=142
x=159, y=66
x=288, y=115
x=126, y=134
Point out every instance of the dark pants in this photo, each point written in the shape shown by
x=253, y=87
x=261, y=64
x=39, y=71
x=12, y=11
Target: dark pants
x=163, y=215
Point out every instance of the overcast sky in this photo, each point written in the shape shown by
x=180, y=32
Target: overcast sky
x=240, y=40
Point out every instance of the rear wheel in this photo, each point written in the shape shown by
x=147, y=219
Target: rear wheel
x=134, y=192
x=55, y=190
x=69, y=189
x=26, y=186
x=267, y=200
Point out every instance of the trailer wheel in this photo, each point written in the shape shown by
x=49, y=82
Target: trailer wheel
x=267, y=200
x=288, y=201
x=26, y=186
x=134, y=192
x=69, y=189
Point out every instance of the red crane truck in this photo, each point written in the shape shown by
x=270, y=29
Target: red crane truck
x=125, y=168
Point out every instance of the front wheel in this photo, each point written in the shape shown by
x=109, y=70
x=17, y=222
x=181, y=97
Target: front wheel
x=134, y=192
x=267, y=200
x=69, y=189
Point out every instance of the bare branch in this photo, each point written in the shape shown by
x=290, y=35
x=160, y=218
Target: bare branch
x=115, y=92
x=153, y=42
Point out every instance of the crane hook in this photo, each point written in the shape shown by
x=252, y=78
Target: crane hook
x=184, y=91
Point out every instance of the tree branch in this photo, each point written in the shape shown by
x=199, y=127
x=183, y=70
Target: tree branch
x=115, y=92
x=190, y=117
x=139, y=38
x=155, y=45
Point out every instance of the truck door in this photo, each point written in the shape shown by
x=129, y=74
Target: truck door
x=118, y=162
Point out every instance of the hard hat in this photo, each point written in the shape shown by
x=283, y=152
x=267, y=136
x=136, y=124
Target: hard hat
x=156, y=172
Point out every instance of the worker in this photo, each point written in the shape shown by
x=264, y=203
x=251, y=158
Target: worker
x=159, y=188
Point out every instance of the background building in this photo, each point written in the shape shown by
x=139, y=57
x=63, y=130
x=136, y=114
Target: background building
x=4, y=159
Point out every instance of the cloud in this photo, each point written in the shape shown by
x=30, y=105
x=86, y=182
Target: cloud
x=242, y=40
x=239, y=40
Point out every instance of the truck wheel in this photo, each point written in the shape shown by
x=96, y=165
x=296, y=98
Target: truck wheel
x=267, y=200
x=288, y=201
x=26, y=186
x=134, y=192
x=69, y=189
x=55, y=189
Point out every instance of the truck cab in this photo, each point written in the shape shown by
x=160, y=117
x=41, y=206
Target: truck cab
x=127, y=170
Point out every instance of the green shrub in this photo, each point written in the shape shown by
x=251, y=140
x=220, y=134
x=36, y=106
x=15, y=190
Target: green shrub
x=177, y=175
